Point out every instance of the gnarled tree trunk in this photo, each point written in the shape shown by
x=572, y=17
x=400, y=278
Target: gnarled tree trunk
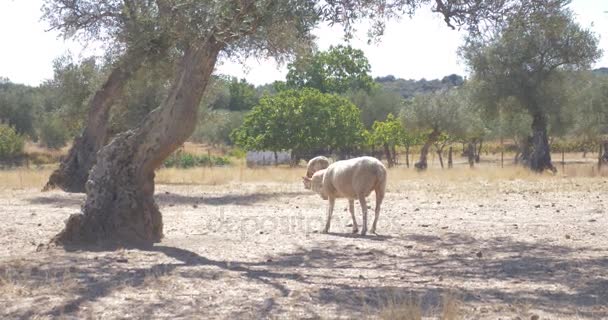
x=389, y=158
x=422, y=163
x=72, y=174
x=540, y=157
x=120, y=202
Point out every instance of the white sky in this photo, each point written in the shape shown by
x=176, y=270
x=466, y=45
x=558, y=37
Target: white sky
x=421, y=47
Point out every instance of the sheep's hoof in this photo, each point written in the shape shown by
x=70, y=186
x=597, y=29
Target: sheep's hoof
x=325, y=231
x=355, y=230
x=363, y=232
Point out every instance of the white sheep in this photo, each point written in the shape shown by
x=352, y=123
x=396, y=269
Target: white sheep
x=315, y=164
x=352, y=179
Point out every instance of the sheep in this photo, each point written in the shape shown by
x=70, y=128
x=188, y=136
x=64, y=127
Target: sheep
x=315, y=164
x=352, y=179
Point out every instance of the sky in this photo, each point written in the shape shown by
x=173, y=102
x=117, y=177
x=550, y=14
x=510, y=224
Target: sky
x=411, y=48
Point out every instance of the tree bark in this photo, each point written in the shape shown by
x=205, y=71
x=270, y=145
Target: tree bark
x=471, y=154
x=73, y=171
x=440, y=154
x=540, y=157
x=120, y=204
x=450, y=159
x=407, y=156
x=605, y=154
x=422, y=163
x=478, y=154
x=389, y=158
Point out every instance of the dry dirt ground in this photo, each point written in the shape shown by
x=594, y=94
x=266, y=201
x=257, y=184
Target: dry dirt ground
x=533, y=248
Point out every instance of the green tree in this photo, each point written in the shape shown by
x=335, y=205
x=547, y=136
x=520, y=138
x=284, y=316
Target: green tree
x=388, y=134
x=243, y=95
x=337, y=70
x=11, y=143
x=303, y=121
x=524, y=60
x=17, y=107
x=435, y=116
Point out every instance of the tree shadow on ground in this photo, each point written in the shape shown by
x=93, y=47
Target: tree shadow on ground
x=58, y=200
x=170, y=199
x=556, y=278
x=164, y=199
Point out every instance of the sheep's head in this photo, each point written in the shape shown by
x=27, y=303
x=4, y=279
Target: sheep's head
x=315, y=183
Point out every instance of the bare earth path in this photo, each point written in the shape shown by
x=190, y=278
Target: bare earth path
x=504, y=248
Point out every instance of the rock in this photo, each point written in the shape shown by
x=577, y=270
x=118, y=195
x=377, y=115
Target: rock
x=361, y=276
x=417, y=209
x=592, y=220
x=122, y=260
x=537, y=206
x=568, y=236
x=534, y=317
x=194, y=206
x=479, y=254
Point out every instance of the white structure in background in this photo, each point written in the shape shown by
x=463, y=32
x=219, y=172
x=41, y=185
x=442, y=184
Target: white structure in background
x=266, y=158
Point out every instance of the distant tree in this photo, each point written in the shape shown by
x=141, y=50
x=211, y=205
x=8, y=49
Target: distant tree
x=243, y=95
x=74, y=82
x=11, y=143
x=589, y=110
x=17, y=107
x=434, y=115
x=303, y=121
x=524, y=60
x=337, y=70
x=388, y=134
x=375, y=105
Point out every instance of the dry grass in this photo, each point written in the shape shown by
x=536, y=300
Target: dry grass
x=24, y=178
x=398, y=307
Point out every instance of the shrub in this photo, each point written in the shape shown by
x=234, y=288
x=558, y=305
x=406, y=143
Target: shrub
x=11, y=143
x=187, y=160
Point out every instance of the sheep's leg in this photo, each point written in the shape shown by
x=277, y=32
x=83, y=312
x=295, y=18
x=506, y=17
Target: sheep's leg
x=379, y=198
x=364, y=210
x=330, y=210
x=351, y=209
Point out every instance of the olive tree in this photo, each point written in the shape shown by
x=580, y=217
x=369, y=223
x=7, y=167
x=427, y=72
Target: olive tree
x=119, y=202
x=523, y=60
x=437, y=116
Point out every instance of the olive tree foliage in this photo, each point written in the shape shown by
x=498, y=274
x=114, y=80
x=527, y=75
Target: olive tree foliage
x=337, y=70
x=376, y=104
x=523, y=58
x=304, y=121
x=589, y=111
x=120, y=205
x=17, y=108
x=438, y=116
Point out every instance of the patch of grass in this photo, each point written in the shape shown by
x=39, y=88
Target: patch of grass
x=188, y=160
x=24, y=178
x=407, y=307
